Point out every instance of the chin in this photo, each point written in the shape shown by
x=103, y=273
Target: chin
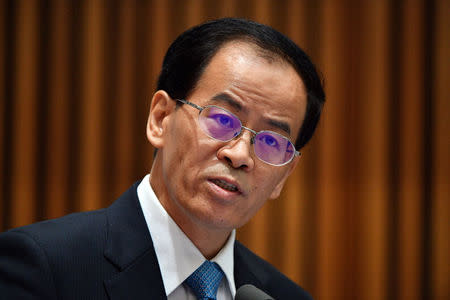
x=214, y=221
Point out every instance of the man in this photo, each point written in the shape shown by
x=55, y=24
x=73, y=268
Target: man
x=235, y=102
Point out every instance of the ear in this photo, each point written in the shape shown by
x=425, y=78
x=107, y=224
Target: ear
x=160, y=110
x=277, y=190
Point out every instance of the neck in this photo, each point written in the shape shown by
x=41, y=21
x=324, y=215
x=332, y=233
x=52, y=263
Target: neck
x=207, y=242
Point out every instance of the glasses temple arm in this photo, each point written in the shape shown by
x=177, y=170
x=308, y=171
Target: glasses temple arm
x=190, y=103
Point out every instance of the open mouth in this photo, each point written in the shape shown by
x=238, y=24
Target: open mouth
x=225, y=185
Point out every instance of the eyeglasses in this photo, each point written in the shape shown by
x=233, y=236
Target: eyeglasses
x=220, y=124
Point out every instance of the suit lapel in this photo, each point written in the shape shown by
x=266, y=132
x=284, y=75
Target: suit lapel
x=244, y=268
x=130, y=248
x=140, y=280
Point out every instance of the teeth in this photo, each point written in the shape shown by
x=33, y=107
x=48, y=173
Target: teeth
x=225, y=185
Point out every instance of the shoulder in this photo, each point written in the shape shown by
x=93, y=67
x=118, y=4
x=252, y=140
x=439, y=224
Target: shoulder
x=74, y=229
x=69, y=238
x=271, y=280
x=34, y=258
x=78, y=230
x=68, y=257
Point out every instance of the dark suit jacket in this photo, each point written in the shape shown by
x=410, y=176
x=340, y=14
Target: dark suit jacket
x=106, y=254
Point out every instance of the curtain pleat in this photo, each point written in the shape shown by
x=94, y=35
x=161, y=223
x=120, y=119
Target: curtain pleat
x=24, y=144
x=366, y=213
x=57, y=148
x=439, y=240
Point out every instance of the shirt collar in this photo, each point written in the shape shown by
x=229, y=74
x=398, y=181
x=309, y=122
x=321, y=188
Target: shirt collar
x=177, y=255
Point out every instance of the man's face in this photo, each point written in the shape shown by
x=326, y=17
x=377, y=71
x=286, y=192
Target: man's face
x=194, y=169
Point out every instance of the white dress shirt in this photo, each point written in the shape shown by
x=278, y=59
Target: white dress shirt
x=177, y=255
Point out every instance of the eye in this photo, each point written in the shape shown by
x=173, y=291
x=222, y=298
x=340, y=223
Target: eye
x=223, y=120
x=269, y=140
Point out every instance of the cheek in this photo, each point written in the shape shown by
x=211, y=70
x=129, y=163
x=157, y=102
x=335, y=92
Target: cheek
x=184, y=158
x=180, y=145
x=259, y=195
x=247, y=211
x=265, y=183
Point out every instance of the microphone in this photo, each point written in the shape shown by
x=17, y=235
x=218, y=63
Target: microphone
x=250, y=292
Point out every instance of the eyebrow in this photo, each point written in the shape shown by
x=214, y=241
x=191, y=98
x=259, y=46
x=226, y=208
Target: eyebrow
x=281, y=125
x=225, y=98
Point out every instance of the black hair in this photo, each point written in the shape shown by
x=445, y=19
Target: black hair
x=189, y=55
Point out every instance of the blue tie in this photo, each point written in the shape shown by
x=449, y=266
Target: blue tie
x=205, y=281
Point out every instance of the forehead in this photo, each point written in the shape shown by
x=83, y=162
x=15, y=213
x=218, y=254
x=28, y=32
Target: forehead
x=262, y=86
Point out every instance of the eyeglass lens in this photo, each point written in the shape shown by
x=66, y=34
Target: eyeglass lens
x=222, y=125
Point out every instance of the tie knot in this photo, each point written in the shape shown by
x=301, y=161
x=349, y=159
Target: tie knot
x=205, y=281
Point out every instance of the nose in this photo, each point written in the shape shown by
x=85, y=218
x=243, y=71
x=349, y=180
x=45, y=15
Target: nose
x=237, y=152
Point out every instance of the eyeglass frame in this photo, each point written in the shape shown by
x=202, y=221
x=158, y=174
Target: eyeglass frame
x=252, y=140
